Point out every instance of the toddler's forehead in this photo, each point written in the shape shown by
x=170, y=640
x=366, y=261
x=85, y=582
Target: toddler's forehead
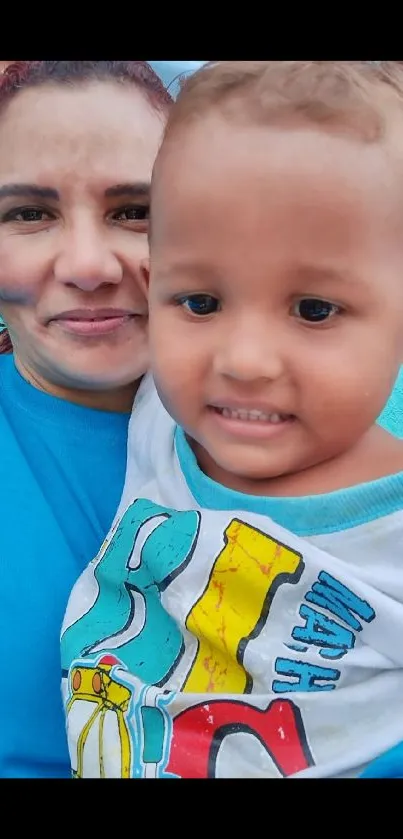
x=213, y=144
x=214, y=162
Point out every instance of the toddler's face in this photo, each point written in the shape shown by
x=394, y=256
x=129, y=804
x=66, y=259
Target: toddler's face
x=276, y=292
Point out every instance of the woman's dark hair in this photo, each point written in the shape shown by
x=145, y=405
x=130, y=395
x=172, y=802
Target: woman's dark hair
x=21, y=75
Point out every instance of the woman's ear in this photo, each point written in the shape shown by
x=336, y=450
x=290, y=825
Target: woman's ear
x=144, y=277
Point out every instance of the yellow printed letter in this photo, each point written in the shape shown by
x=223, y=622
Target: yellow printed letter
x=234, y=606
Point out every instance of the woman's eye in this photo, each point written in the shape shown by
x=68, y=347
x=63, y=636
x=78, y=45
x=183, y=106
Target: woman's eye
x=314, y=310
x=200, y=304
x=28, y=214
x=140, y=213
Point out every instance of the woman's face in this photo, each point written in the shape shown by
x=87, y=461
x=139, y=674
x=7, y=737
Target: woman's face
x=75, y=169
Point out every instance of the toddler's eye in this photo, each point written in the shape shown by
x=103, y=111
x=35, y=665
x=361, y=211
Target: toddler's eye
x=200, y=304
x=314, y=310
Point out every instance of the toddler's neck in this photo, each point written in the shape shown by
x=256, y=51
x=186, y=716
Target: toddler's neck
x=376, y=455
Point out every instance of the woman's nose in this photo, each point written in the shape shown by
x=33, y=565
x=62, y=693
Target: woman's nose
x=87, y=262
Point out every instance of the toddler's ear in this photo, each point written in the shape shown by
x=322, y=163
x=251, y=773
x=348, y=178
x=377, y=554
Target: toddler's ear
x=144, y=277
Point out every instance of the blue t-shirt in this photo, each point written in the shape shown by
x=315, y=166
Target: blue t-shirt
x=389, y=765
x=62, y=474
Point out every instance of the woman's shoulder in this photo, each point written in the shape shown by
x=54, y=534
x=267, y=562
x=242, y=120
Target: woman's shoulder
x=7, y=370
x=14, y=408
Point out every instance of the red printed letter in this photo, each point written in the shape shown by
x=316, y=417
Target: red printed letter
x=199, y=731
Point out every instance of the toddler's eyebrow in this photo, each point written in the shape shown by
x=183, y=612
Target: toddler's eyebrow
x=321, y=274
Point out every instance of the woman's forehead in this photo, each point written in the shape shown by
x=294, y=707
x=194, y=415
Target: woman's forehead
x=52, y=129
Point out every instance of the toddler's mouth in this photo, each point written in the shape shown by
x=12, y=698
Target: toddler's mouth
x=253, y=415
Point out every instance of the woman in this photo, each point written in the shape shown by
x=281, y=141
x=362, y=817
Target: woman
x=77, y=145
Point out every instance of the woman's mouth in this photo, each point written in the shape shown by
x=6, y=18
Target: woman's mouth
x=92, y=322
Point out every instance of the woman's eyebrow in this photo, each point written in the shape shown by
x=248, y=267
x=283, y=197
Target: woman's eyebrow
x=138, y=189
x=44, y=192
